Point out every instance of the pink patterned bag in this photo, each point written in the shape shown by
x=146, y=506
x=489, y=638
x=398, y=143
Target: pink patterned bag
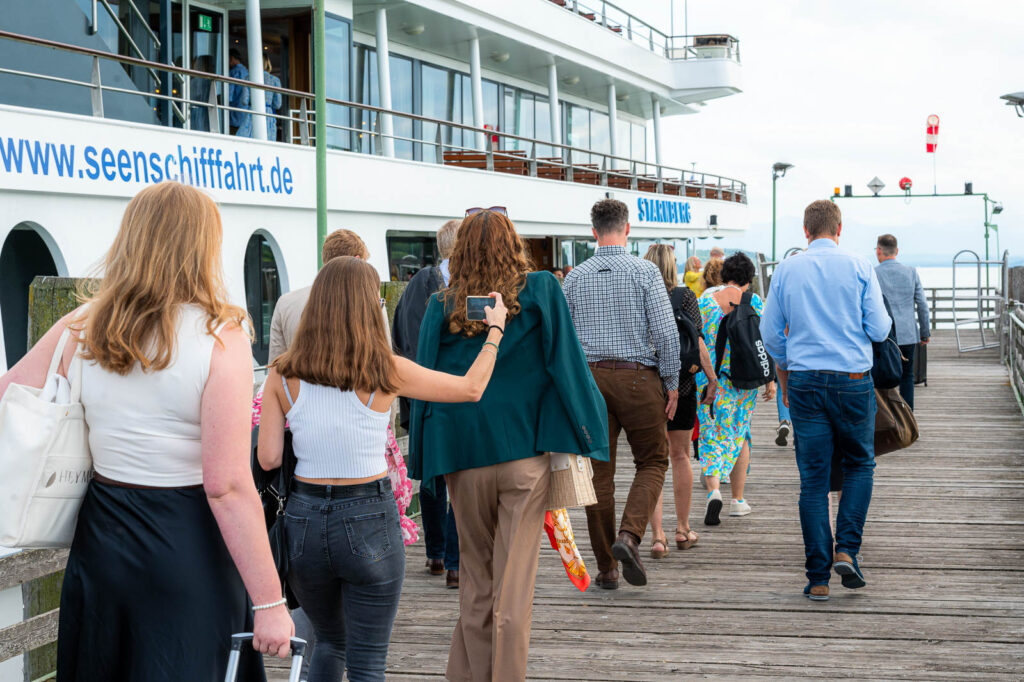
x=397, y=472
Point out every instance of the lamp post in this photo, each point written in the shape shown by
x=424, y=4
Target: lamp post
x=778, y=171
x=997, y=208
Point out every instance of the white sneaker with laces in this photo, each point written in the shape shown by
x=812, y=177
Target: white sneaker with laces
x=782, y=433
x=739, y=508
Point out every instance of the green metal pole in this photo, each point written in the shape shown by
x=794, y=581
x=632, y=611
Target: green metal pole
x=774, y=180
x=320, y=90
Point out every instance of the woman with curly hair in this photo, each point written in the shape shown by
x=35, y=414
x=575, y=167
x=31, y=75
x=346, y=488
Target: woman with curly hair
x=725, y=425
x=712, y=276
x=493, y=454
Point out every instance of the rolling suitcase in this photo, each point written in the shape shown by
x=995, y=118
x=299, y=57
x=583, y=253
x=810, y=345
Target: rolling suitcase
x=242, y=638
x=921, y=364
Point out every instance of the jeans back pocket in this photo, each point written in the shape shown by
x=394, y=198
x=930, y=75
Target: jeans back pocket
x=368, y=535
x=855, y=405
x=295, y=535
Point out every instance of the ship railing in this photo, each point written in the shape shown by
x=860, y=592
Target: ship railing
x=450, y=143
x=1013, y=350
x=637, y=31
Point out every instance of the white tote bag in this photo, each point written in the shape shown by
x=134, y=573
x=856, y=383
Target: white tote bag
x=45, y=463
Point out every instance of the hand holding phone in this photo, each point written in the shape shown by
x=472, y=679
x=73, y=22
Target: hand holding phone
x=490, y=309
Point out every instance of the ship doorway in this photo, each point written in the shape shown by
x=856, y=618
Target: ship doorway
x=24, y=256
x=541, y=252
x=262, y=289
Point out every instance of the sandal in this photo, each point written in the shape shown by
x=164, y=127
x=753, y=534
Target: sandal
x=659, y=553
x=690, y=541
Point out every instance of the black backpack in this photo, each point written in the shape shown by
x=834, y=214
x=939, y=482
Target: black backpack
x=750, y=365
x=689, y=344
x=888, y=359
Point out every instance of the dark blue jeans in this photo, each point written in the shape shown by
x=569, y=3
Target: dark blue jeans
x=832, y=410
x=439, y=532
x=347, y=563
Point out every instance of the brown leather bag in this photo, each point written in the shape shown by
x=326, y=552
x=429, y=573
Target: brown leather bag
x=895, y=425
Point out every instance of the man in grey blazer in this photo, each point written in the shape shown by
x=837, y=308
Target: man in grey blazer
x=902, y=287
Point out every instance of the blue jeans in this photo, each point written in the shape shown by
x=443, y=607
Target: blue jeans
x=439, y=531
x=832, y=410
x=347, y=564
x=783, y=410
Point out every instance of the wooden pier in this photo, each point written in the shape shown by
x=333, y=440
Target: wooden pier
x=943, y=556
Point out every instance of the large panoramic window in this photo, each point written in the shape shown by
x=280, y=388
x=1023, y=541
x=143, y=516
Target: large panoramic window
x=338, y=46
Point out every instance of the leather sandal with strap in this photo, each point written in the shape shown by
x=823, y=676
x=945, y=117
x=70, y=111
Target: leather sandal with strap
x=691, y=538
x=659, y=553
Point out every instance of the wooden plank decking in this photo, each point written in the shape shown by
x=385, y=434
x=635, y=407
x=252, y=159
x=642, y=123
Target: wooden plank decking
x=943, y=555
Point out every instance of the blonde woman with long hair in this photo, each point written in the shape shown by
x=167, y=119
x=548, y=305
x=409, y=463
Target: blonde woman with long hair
x=335, y=385
x=170, y=551
x=680, y=427
x=692, y=277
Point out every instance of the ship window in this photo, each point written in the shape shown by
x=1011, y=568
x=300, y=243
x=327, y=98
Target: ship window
x=407, y=255
x=622, y=134
x=23, y=257
x=542, y=113
x=437, y=90
x=262, y=289
x=338, y=43
x=579, y=131
x=639, y=146
x=599, y=138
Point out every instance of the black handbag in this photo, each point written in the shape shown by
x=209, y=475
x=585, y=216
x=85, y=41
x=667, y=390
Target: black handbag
x=887, y=368
x=273, y=487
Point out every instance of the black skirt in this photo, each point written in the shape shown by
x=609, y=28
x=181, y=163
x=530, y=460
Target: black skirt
x=150, y=592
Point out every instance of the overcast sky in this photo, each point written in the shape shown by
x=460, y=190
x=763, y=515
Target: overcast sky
x=842, y=89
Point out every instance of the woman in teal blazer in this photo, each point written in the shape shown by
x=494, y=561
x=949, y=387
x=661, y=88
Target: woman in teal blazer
x=493, y=453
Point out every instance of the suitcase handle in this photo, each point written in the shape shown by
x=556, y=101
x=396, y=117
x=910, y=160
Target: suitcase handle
x=241, y=638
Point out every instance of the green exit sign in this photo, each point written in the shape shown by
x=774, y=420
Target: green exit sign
x=205, y=22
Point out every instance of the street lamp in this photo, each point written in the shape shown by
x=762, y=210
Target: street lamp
x=778, y=171
x=997, y=208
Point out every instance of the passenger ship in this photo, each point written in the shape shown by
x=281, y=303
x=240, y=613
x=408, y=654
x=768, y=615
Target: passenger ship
x=434, y=106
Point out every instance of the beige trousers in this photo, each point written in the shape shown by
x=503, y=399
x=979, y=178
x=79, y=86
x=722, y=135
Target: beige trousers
x=499, y=511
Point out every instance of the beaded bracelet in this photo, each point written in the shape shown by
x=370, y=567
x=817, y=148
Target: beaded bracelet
x=491, y=343
x=488, y=350
x=262, y=607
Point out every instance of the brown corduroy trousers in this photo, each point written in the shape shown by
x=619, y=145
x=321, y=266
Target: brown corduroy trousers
x=499, y=512
x=636, y=404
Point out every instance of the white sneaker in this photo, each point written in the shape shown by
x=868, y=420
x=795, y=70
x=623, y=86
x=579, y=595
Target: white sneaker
x=739, y=508
x=713, y=509
x=782, y=434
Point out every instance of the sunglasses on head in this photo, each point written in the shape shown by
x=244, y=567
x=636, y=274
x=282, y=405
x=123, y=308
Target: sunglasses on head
x=493, y=209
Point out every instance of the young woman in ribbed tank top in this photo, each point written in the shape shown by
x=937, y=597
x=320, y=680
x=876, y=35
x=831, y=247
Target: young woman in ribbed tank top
x=335, y=386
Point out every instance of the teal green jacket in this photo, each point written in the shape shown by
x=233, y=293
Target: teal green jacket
x=541, y=398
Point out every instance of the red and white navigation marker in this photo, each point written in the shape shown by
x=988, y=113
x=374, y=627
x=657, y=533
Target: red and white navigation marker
x=931, y=139
x=932, y=136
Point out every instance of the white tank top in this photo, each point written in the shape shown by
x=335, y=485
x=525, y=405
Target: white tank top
x=335, y=435
x=144, y=426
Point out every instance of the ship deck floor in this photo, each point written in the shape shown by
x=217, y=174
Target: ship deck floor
x=943, y=555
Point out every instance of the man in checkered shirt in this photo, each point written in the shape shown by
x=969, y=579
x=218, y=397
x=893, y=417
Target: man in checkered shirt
x=625, y=323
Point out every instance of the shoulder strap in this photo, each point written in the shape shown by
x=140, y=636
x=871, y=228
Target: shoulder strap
x=369, y=403
x=58, y=352
x=720, y=340
x=287, y=392
x=747, y=297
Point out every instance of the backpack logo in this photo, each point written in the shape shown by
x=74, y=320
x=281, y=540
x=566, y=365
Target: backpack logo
x=762, y=356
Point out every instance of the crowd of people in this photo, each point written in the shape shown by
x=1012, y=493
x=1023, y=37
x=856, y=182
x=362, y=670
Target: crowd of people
x=172, y=525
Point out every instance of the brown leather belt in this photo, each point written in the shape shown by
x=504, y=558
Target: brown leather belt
x=619, y=364
x=100, y=478
x=852, y=375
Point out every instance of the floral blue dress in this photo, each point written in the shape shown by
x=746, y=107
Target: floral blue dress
x=722, y=438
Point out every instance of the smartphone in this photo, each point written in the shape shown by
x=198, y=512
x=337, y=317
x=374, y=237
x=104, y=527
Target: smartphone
x=475, y=307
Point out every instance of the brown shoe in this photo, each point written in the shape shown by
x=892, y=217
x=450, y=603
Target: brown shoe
x=436, y=566
x=452, y=580
x=627, y=550
x=608, y=581
x=846, y=568
x=816, y=592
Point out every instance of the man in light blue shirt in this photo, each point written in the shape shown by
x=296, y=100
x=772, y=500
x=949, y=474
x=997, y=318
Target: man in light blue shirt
x=831, y=303
x=902, y=287
x=238, y=97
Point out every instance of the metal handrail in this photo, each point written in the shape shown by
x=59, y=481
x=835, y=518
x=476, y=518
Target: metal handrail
x=636, y=30
x=565, y=155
